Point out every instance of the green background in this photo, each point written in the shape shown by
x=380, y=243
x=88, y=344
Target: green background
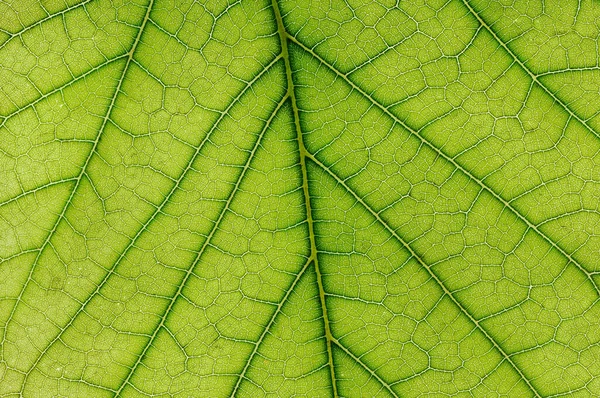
x=299, y=198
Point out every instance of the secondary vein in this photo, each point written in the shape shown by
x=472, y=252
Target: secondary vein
x=157, y=210
x=206, y=243
x=83, y=169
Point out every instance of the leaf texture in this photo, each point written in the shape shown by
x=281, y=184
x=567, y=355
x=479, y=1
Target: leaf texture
x=299, y=198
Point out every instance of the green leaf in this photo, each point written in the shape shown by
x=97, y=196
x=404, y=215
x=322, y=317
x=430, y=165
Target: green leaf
x=299, y=198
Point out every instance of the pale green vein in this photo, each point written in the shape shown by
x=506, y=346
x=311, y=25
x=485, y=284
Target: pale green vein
x=559, y=71
x=368, y=369
x=36, y=189
x=82, y=172
x=19, y=254
x=157, y=210
x=19, y=33
x=426, y=267
x=269, y=325
x=61, y=88
x=303, y=152
x=452, y=161
x=195, y=263
x=533, y=76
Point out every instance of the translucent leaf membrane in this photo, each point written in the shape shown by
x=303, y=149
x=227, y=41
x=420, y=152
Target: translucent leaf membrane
x=299, y=198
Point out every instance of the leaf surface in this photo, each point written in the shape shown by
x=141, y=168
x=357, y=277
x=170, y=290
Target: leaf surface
x=299, y=198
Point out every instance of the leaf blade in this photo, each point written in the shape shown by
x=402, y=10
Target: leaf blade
x=287, y=198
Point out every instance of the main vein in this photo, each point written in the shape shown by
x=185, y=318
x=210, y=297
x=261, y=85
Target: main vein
x=303, y=152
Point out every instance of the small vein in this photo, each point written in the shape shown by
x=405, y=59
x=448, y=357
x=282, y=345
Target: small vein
x=35, y=190
x=61, y=88
x=559, y=71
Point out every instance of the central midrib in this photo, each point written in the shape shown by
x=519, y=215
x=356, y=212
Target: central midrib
x=303, y=153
